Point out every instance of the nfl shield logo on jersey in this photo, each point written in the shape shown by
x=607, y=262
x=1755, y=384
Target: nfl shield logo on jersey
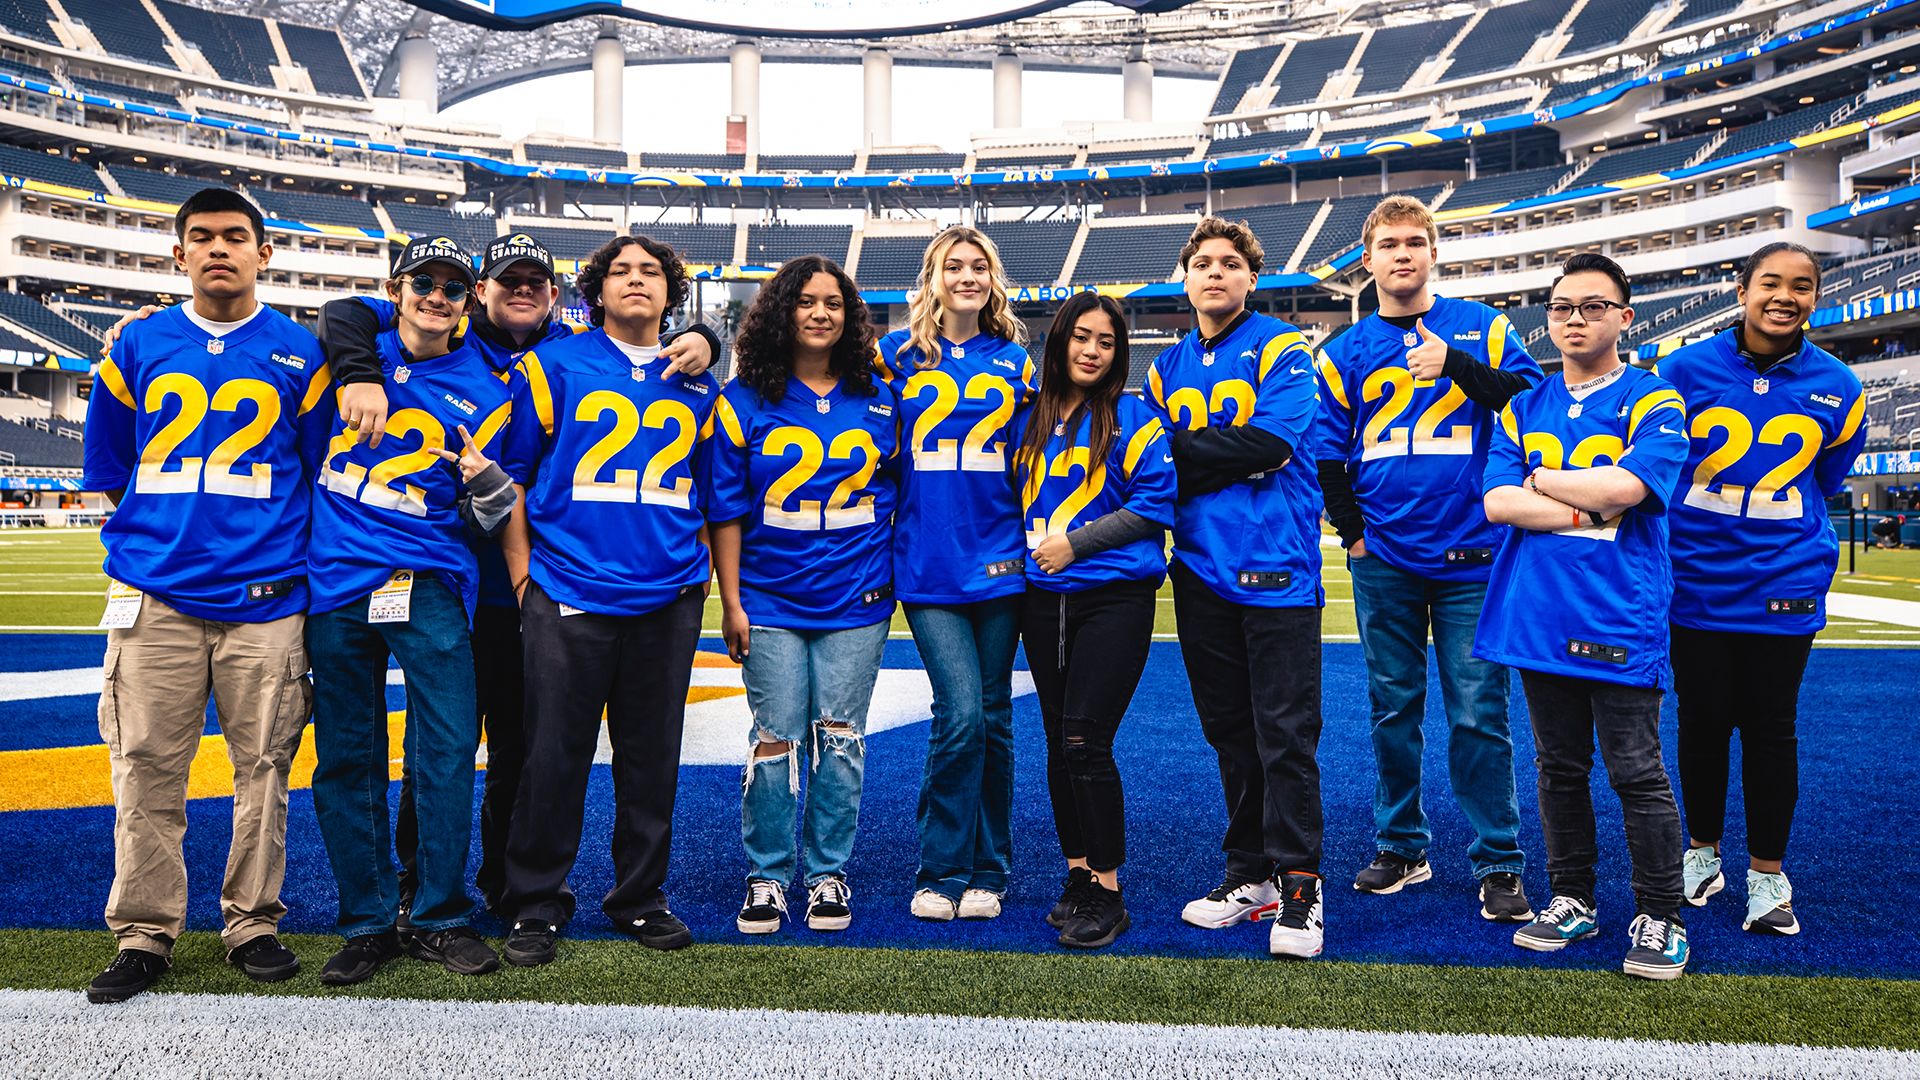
x=1759, y=386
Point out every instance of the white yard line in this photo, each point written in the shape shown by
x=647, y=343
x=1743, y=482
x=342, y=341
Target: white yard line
x=1880, y=609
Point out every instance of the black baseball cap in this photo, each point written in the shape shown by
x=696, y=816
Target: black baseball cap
x=422, y=250
x=514, y=248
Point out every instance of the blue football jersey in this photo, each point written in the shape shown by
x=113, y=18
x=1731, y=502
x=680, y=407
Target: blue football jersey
x=495, y=589
x=1065, y=489
x=397, y=507
x=1753, y=549
x=957, y=538
x=1258, y=541
x=812, y=479
x=214, y=441
x=610, y=454
x=1417, y=449
x=1588, y=601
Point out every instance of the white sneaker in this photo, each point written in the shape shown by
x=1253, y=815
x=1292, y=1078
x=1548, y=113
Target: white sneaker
x=1701, y=869
x=1299, y=930
x=1770, y=905
x=979, y=904
x=1233, y=903
x=931, y=906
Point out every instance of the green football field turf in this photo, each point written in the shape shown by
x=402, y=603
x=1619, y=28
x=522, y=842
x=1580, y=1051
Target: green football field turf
x=1128, y=989
x=50, y=580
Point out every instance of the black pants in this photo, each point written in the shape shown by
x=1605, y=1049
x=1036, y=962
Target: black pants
x=1086, y=651
x=501, y=690
x=637, y=667
x=1568, y=714
x=1750, y=683
x=1256, y=685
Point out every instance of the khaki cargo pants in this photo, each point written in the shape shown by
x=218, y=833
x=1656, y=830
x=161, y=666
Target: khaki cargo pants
x=159, y=674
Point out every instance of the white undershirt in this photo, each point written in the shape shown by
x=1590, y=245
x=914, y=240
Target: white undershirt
x=637, y=355
x=220, y=329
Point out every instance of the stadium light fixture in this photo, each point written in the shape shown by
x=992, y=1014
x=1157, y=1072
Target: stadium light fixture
x=1651, y=135
x=1908, y=69
x=139, y=159
x=1713, y=121
x=1806, y=99
x=83, y=149
x=1599, y=147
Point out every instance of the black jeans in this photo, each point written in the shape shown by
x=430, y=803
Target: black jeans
x=637, y=667
x=1568, y=714
x=1751, y=683
x=501, y=689
x=1086, y=651
x=1256, y=685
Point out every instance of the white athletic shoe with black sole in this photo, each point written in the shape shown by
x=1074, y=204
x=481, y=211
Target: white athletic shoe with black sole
x=1299, y=930
x=1700, y=871
x=1231, y=903
x=1770, y=905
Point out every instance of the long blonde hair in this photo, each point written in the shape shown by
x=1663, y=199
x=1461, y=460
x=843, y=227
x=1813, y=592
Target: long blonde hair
x=929, y=303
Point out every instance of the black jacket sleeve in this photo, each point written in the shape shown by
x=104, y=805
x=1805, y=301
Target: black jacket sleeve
x=348, y=329
x=713, y=339
x=1483, y=384
x=1343, y=508
x=1214, y=459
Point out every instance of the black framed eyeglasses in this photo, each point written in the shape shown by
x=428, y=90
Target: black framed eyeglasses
x=1590, y=311
x=423, y=285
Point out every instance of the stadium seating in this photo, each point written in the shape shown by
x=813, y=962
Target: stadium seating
x=237, y=46
x=1404, y=126
x=653, y=159
x=1720, y=47
x=472, y=232
x=37, y=318
x=12, y=342
x=591, y=156
x=1278, y=228
x=1641, y=160
x=1053, y=159
x=1579, y=88
x=119, y=92
x=315, y=209
x=1604, y=23
x=907, y=163
x=1341, y=229
x=1693, y=11
x=28, y=18
x=1131, y=253
x=1150, y=154
x=1774, y=129
x=1259, y=142
x=51, y=168
x=1305, y=72
x=1503, y=35
x=705, y=243
x=27, y=71
x=320, y=52
x=891, y=262
x=158, y=186
x=1247, y=69
x=567, y=243
x=124, y=28
x=34, y=446
x=770, y=245
x=804, y=163
x=1488, y=112
x=1396, y=52
x=1032, y=251
x=1501, y=188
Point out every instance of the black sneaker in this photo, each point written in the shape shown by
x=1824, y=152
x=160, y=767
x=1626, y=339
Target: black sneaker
x=1078, y=878
x=531, y=943
x=830, y=904
x=660, y=929
x=131, y=971
x=765, y=908
x=1504, y=899
x=1098, y=917
x=457, y=948
x=264, y=959
x=1389, y=873
x=360, y=958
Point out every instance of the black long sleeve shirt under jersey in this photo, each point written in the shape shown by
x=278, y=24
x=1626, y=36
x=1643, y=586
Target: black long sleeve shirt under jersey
x=1215, y=458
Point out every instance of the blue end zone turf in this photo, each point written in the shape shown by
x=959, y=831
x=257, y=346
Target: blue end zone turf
x=1860, y=795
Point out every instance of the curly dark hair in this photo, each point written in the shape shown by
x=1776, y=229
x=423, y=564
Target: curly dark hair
x=593, y=275
x=763, y=350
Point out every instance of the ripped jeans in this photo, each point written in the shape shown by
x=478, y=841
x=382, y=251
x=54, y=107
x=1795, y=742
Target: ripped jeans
x=808, y=689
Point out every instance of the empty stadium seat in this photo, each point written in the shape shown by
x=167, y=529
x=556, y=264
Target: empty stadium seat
x=124, y=28
x=653, y=159
x=770, y=245
x=1305, y=72
x=1341, y=229
x=590, y=156
x=28, y=18
x=1396, y=52
x=1032, y=251
x=805, y=163
x=120, y=92
x=1259, y=142
x=317, y=209
x=905, y=163
x=37, y=318
x=1775, y=129
x=473, y=232
x=237, y=46
x=705, y=243
x=1247, y=69
x=891, y=262
x=1501, y=188
x=51, y=168
x=1131, y=253
x=1054, y=159
x=1601, y=24
x=569, y=243
x=27, y=71
x=1503, y=35
x=1639, y=161
x=47, y=449
x=1278, y=228
x=320, y=52
x=157, y=186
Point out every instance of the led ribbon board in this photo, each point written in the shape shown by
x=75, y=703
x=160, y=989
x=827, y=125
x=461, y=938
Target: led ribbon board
x=789, y=18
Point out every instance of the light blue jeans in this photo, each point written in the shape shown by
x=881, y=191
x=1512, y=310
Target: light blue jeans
x=802, y=685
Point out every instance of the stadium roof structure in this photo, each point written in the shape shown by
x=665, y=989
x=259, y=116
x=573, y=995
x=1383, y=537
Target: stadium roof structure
x=1184, y=38
x=818, y=18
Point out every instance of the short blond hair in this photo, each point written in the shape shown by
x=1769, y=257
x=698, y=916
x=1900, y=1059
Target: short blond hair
x=1218, y=228
x=1399, y=210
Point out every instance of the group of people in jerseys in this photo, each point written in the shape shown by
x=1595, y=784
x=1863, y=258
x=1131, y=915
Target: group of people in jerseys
x=528, y=515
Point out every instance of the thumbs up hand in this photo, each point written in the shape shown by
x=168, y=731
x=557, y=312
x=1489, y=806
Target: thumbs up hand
x=1427, y=360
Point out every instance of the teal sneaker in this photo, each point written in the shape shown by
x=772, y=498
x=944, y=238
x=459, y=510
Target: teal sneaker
x=1561, y=923
x=1769, y=905
x=1701, y=867
x=1659, y=948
